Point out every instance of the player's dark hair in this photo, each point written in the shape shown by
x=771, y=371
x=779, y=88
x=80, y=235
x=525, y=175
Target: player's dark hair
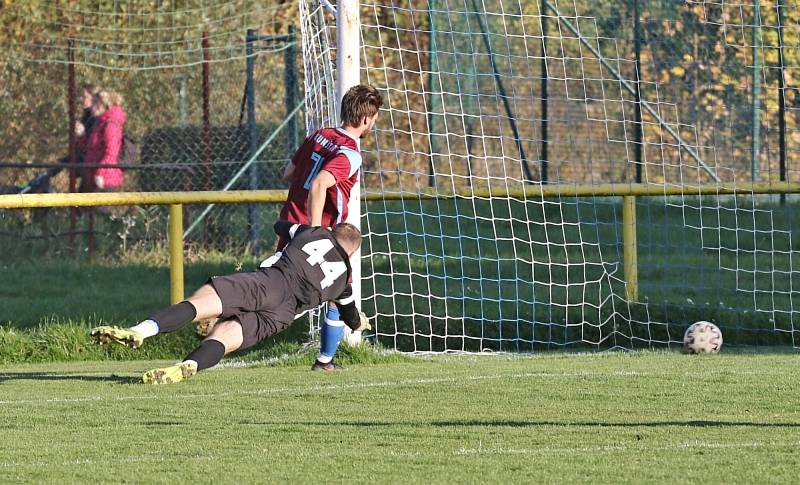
x=360, y=102
x=347, y=234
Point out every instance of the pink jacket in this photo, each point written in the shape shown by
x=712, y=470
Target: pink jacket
x=102, y=146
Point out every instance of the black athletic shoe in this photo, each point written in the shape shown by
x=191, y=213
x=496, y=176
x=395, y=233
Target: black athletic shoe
x=329, y=367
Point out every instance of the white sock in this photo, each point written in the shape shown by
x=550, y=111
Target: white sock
x=190, y=361
x=147, y=328
x=324, y=359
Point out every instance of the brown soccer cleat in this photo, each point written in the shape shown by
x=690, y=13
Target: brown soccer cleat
x=329, y=367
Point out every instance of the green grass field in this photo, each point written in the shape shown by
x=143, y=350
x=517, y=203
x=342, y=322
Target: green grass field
x=390, y=418
x=607, y=418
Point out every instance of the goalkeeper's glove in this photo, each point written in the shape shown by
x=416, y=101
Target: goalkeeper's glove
x=363, y=323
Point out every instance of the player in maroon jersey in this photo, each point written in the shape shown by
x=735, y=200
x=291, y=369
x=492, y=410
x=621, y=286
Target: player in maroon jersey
x=326, y=166
x=321, y=174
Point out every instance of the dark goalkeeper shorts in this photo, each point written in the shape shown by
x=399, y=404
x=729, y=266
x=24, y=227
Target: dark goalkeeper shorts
x=261, y=300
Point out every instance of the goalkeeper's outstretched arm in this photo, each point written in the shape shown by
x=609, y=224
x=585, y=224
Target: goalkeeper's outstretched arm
x=287, y=230
x=346, y=303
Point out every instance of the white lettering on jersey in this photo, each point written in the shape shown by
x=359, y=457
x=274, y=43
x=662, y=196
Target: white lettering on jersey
x=317, y=250
x=317, y=159
x=331, y=270
x=323, y=142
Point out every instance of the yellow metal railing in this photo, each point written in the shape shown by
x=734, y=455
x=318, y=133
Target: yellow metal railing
x=29, y=201
x=176, y=200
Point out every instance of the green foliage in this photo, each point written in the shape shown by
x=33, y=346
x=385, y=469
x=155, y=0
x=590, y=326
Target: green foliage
x=61, y=341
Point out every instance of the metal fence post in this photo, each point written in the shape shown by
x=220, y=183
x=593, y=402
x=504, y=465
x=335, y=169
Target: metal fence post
x=290, y=76
x=781, y=101
x=433, y=74
x=252, y=130
x=755, y=147
x=207, y=185
x=638, y=139
x=176, y=253
x=629, y=255
x=544, y=104
x=72, y=105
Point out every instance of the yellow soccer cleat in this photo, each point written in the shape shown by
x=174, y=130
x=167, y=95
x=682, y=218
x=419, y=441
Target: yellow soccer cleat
x=170, y=375
x=203, y=327
x=105, y=334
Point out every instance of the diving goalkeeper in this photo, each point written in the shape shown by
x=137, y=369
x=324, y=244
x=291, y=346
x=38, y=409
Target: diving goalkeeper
x=313, y=268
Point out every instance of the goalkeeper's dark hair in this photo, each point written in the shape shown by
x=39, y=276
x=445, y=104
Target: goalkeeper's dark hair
x=360, y=102
x=348, y=235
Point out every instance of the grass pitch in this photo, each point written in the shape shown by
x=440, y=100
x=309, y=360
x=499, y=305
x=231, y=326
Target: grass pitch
x=602, y=418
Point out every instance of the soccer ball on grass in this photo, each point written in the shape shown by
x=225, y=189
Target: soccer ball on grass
x=702, y=338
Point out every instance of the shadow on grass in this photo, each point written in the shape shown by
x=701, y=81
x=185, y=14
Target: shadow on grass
x=534, y=424
x=46, y=376
x=605, y=424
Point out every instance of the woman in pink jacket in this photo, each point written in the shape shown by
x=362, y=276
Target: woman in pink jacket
x=103, y=144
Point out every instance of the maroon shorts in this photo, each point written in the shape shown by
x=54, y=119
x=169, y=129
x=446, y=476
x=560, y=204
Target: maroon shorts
x=262, y=301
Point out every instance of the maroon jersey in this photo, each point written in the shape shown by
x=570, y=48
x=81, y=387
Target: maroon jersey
x=330, y=149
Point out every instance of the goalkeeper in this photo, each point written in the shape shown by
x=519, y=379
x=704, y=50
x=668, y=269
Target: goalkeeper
x=314, y=267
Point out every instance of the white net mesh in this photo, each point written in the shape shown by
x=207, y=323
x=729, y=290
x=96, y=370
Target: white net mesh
x=486, y=98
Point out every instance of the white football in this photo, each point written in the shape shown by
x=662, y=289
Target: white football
x=702, y=338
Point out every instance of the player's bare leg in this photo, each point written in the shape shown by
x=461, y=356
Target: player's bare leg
x=203, y=304
x=206, y=302
x=226, y=337
x=229, y=334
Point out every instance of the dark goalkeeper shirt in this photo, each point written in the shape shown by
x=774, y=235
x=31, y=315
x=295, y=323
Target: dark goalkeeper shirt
x=315, y=265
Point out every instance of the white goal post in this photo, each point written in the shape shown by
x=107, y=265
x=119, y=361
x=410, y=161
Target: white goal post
x=348, y=74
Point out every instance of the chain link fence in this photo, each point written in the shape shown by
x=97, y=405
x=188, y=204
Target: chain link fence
x=199, y=114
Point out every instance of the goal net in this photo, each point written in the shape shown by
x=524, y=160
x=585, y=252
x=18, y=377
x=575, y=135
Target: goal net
x=488, y=216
